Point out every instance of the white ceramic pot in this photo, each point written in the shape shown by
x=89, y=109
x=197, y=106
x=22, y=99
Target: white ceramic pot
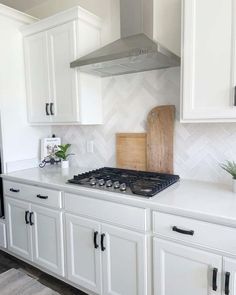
x=234, y=185
x=65, y=164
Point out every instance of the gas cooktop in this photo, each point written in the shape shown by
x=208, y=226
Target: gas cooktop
x=131, y=182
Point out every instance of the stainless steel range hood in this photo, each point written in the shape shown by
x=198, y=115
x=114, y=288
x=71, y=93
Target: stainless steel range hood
x=134, y=52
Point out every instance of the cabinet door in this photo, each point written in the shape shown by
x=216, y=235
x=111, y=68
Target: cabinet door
x=47, y=233
x=37, y=78
x=183, y=270
x=18, y=232
x=84, y=259
x=124, y=262
x=62, y=51
x=208, y=60
x=229, y=271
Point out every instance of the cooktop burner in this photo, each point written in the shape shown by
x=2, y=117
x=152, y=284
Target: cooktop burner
x=131, y=182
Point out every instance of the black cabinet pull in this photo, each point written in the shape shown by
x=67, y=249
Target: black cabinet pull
x=46, y=109
x=227, y=283
x=103, y=248
x=182, y=231
x=30, y=218
x=14, y=190
x=51, y=109
x=42, y=197
x=214, y=279
x=235, y=96
x=95, y=236
x=27, y=217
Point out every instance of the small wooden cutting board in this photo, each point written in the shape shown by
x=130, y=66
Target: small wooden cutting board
x=131, y=151
x=160, y=138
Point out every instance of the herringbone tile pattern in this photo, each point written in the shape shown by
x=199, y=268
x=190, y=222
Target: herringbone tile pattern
x=199, y=148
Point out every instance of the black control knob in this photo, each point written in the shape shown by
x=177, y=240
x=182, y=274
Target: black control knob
x=109, y=183
x=93, y=181
x=116, y=184
x=123, y=187
x=101, y=182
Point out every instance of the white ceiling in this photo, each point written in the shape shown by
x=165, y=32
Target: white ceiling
x=22, y=5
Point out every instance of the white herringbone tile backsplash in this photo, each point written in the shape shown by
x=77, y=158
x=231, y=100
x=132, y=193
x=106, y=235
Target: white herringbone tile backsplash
x=199, y=148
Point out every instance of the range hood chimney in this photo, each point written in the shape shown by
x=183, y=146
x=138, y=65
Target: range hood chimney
x=135, y=51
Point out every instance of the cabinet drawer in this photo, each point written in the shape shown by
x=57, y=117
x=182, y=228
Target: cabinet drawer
x=119, y=214
x=194, y=231
x=33, y=194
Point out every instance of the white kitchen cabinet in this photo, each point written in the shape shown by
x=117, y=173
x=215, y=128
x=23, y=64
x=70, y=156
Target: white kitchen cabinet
x=63, y=86
x=182, y=270
x=47, y=235
x=37, y=78
x=99, y=253
x=83, y=255
x=35, y=232
x=166, y=23
x=124, y=262
x=18, y=232
x=208, y=61
x=229, y=272
x=56, y=93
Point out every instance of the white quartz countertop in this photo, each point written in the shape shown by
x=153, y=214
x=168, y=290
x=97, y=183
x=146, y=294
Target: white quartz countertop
x=195, y=199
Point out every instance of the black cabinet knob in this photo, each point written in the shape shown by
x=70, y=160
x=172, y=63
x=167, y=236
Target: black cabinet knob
x=214, y=279
x=31, y=218
x=42, y=197
x=103, y=248
x=14, y=190
x=27, y=217
x=227, y=283
x=95, y=237
x=183, y=231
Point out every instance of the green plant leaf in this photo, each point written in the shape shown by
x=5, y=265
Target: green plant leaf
x=62, y=153
x=230, y=167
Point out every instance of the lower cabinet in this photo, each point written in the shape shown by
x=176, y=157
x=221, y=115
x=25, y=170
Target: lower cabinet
x=47, y=234
x=181, y=270
x=100, y=253
x=36, y=233
x=19, y=234
x=83, y=252
x=124, y=262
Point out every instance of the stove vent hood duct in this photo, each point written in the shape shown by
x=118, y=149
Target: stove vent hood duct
x=135, y=51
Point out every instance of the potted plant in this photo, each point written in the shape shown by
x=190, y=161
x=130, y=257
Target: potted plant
x=230, y=167
x=63, y=155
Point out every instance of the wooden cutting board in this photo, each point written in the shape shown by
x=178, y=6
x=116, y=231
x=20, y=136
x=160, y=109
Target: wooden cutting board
x=160, y=137
x=131, y=151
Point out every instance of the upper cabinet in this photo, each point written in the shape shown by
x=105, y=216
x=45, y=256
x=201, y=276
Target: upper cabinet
x=57, y=94
x=208, y=61
x=166, y=23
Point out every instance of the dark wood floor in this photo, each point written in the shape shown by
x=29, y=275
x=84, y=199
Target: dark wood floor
x=7, y=262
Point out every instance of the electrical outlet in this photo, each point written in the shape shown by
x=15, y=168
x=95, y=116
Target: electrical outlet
x=90, y=146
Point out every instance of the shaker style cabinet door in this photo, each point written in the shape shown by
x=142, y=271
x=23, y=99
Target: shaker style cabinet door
x=47, y=235
x=83, y=252
x=182, y=270
x=124, y=262
x=37, y=78
x=18, y=228
x=208, y=61
x=63, y=80
x=229, y=272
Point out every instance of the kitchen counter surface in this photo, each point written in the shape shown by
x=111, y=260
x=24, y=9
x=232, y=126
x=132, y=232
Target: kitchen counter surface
x=195, y=199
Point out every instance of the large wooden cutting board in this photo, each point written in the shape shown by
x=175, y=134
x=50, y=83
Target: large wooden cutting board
x=160, y=137
x=131, y=151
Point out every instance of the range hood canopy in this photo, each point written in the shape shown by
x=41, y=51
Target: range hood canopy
x=135, y=51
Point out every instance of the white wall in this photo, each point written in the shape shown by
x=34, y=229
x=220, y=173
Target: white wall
x=19, y=140
x=127, y=99
x=108, y=10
